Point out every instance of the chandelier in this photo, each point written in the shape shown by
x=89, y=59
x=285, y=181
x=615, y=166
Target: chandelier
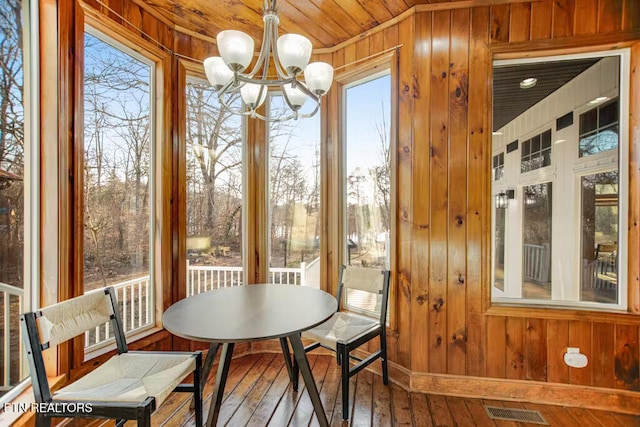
x=291, y=54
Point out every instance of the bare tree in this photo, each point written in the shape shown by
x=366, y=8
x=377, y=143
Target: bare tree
x=117, y=155
x=214, y=164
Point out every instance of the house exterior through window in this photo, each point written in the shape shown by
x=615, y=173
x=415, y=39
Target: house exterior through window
x=561, y=240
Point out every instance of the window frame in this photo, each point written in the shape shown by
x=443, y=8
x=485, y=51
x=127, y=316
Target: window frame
x=580, y=167
x=160, y=153
x=31, y=183
x=381, y=67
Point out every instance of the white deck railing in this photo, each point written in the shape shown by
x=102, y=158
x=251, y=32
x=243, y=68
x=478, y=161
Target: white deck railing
x=134, y=296
x=537, y=263
x=203, y=278
x=136, y=304
x=12, y=307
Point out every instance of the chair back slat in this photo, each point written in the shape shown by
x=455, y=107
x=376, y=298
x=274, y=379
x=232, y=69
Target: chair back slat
x=363, y=279
x=65, y=320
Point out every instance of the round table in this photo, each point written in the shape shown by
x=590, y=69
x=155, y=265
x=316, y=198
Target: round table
x=250, y=313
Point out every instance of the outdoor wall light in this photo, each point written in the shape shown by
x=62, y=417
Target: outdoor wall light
x=502, y=198
x=530, y=198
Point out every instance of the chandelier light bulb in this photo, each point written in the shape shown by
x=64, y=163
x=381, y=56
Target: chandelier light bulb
x=295, y=95
x=236, y=49
x=217, y=72
x=319, y=76
x=294, y=52
x=253, y=95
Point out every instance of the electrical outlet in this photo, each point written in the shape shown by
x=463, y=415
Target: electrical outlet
x=574, y=358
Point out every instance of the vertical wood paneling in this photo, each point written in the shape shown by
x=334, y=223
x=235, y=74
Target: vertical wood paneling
x=520, y=22
x=362, y=48
x=404, y=215
x=390, y=40
x=479, y=57
x=586, y=17
x=563, y=15
x=116, y=10
x=457, y=165
x=438, y=190
x=541, y=19
x=515, y=348
x=350, y=56
x=500, y=23
x=497, y=336
x=580, y=336
x=331, y=206
x=421, y=197
x=626, y=357
x=630, y=15
x=609, y=16
x=536, y=349
x=558, y=340
x=376, y=42
x=603, y=339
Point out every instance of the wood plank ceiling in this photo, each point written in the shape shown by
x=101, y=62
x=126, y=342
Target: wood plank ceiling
x=325, y=22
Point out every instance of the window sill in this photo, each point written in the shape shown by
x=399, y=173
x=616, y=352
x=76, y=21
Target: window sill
x=18, y=412
x=563, y=313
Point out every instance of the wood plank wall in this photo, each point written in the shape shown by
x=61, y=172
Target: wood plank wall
x=443, y=322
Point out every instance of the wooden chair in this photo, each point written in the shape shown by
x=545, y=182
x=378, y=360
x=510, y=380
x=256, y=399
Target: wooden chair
x=129, y=386
x=346, y=331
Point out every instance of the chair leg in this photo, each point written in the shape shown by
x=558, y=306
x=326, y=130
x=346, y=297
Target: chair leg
x=197, y=390
x=42, y=421
x=344, y=355
x=383, y=353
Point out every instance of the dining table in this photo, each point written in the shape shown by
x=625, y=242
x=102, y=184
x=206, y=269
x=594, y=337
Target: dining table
x=227, y=316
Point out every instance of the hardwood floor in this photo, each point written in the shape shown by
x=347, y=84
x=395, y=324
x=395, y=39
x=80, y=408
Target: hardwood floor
x=258, y=393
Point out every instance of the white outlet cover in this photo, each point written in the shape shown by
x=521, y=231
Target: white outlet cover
x=575, y=360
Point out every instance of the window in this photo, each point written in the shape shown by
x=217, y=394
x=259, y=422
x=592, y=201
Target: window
x=118, y=156
x=599, y=129
x=294, y=195
x=536, y=239
x=19, y=188
x=498, y=167
x=367, y=179
x=536, y=152
x=562, y=241
x=214, y=191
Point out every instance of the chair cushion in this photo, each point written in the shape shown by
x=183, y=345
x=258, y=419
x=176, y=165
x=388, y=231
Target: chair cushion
x=131, y=377
x=343, y=327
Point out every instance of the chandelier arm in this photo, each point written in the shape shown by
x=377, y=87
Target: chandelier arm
x=265, y=63
x=244, y=79
x=303, y=87
x=312, y=113
x=282, y=74
x=264, y=52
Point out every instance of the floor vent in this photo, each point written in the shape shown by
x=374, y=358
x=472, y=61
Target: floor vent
x=511, y=414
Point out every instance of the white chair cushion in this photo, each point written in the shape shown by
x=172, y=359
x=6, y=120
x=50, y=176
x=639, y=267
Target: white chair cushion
x=131, y=377
x=342, y=326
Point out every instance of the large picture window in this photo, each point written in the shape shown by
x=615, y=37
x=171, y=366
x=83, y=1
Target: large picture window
x=566, y=231
x=367, y=178
x=294, y=197
x=18, y=191
x=214, y=191
x=118, y=156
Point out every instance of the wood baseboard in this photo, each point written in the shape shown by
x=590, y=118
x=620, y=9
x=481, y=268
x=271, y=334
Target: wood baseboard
x=605, y=399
